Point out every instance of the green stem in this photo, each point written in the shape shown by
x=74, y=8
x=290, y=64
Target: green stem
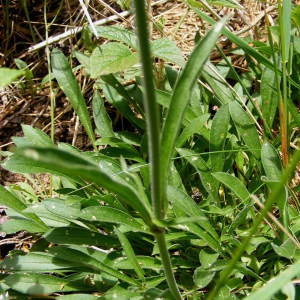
x=151, y=108
x=153, y=134
x=165, y=257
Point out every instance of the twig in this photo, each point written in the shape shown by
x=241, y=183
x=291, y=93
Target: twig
x=75, y=30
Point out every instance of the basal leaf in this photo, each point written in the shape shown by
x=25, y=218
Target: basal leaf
x=271, y=162
x=38, y=262
x=110, y=215
x=181, y=96
x=245, y=127
x=79, y=236
x=7, y=76
x=118, y=33
x=67, y=82
x=268, y=95
x=111, y=58
x=218, y=135
x=275, y=284
x=73, y=166
x=37, y=284
x=234, y=184
x=101, y=117
x=167, y=50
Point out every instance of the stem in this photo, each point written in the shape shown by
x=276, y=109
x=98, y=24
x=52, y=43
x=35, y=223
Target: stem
x=153, y=134
x=283, y=109
x=151, y=108
x=165, y=257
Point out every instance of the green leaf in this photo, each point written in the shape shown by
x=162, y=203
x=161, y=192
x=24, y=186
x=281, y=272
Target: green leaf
x=118, y=33
x=38, y=262
x=167, y=50
x=32, y=137
x=67, y=82
x=268, y=95
x=73, y=166
x=218, y=135
x=202, y=277
x=33, y=284
x=77, y=296
x=207, y=258
x=208, y=181
x=287, y=249
x=8, y=76
x=181, y=96
x=111, y=58
x=276, y=283
x=130, y=254
x=245, y=128
x=85, y=258
x=10, y=200
x=79, y=236
x=234, y=184
x=271, y=162
x=15, y=224
x=194, y=127
x=110, y=215
x=101, y=117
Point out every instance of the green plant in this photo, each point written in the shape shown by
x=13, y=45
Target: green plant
x=157, y=210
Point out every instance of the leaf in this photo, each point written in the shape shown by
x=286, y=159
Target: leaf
x=245, y=128
x=234, y=184
x=33, y=284
x=268, y=95
x=38, y=262
x=67, y=82
x=168, y=51
x=192, y=128
x=73, y=166
x=79, y=236
x=86, y=258
x=110, y=215
x=8, y=76
x=130, y=254
x=276, y=283
x=101, y=117
x=14, y=224
x=207, y=258
x=202, y=277
x=181, y=96
x=111, y=58
x=118, y=33
x=77, y=296
x=10, y=200
x=218, y=135
x=271, y=162
x=208, y=181
x=32, y=137
x=287, y=249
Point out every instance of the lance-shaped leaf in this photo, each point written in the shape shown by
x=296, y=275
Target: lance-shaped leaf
x=67, y=82
x=73, y=166
x=181, y=97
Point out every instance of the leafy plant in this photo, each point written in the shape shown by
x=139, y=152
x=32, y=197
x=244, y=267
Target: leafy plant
x=177, y=205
